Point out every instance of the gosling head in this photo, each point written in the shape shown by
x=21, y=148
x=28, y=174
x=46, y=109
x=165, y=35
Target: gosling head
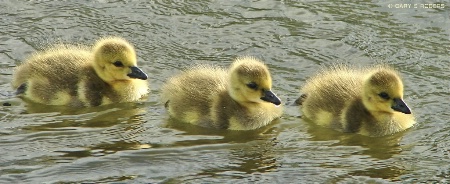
x=250, y=81
x=115, y=60
x=383, y=92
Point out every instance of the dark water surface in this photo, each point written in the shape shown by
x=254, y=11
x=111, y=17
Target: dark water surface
x=138, y=143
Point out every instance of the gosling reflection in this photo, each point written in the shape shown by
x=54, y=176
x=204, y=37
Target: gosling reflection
x=251, y=150
x=226, y=135
x=90, y=132
x=380, y=147
x=102, y=116
x=255, y=158
x=103, y=149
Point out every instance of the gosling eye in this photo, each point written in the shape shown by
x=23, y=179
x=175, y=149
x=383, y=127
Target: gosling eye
x=384, y=95
x=252, y=85
x=118, y=64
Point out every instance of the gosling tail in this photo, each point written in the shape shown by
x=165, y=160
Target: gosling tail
x=21, y=89
x=300, y=99
x=166, y=105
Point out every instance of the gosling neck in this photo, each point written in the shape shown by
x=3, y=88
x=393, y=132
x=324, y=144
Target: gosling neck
x=100, y=71
x=379, y=116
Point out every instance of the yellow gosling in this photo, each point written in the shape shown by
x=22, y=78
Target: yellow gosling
x=82, y=76
x=237, y=99
x=367, y=101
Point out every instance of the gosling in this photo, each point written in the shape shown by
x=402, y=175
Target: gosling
x=368, y=101
x=81, y=76
x=237, y=99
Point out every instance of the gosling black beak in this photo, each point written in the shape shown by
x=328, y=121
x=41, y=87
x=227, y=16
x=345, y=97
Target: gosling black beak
x=270, y=97
x=400, y=106
x=137, y=73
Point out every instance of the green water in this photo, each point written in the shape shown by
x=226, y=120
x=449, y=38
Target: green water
x=138, y=143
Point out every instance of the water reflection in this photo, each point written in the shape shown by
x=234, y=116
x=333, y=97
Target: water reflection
x=75, y=133
x=377, y=147
x=256, y=156
x=380, y=149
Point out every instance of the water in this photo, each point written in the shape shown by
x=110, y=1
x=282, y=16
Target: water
x=138, y=143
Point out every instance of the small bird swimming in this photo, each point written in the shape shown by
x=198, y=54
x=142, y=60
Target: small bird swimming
x=77, y=75
x=239, y=98
x=365, y=101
